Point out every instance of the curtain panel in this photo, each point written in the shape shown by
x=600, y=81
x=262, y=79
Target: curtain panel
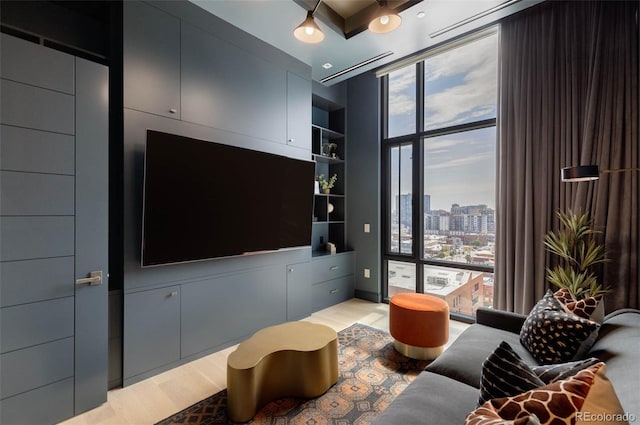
x=568, y=96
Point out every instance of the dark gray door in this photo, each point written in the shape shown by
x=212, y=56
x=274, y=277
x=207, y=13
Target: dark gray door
x=53, y=231
x=91, y=243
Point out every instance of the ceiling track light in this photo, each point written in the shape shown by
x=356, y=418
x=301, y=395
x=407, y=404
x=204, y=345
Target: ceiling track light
x=385, y=19
x=308, y=31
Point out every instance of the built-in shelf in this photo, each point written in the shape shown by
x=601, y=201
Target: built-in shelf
x=329, y=210
x=327, y=132
x=327, y=159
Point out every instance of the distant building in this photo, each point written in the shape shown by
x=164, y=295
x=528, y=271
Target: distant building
x=463, y=290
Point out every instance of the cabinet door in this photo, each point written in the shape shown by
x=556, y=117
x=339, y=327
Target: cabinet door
x=227, y=308
x=298, y=291
x=151, y=60
x=298, y=111
x=152, y=334
x=227, y=88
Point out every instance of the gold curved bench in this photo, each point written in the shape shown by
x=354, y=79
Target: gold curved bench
x=294, y=359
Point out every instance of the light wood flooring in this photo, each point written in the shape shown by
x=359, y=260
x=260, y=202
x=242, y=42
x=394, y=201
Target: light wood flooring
x=154, y=399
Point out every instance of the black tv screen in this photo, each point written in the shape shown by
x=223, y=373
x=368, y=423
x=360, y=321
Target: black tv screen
x=205, y=200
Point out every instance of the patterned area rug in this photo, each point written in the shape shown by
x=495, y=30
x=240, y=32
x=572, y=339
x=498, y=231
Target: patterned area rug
x=372, y=374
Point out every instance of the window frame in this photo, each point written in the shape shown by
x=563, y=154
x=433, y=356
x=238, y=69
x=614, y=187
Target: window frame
x=416, y=140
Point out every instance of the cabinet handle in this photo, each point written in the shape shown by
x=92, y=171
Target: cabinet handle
x=333, y=291
x=333, y=268
x=291, y=140
x=290, y=269
x=173, y=110
x=173, y=294
x=94, y=279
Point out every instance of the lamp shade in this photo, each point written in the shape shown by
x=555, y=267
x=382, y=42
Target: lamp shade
x=386, y=20
x=308, y=31
x=581, y=173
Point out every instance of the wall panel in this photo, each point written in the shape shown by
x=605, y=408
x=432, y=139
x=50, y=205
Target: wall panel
x=36, y=108
x=36, y=151
x=29, y=281
x=36, y=194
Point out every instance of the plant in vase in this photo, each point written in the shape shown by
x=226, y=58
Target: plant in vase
x=331, y=149
x=578, y=251
x=325, y=184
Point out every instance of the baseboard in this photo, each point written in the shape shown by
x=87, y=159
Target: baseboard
x=368, y=296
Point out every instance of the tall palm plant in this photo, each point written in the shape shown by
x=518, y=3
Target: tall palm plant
x=578, y=250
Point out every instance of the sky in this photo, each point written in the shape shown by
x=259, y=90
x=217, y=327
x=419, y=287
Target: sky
x=460, y=87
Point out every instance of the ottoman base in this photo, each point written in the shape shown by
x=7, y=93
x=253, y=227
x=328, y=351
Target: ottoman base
x=418, y=353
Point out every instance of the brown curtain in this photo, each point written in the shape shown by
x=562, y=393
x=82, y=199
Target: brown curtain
x=568, y=96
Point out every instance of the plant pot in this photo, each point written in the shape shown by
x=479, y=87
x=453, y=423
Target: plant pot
x=326, y=191
x=598, y=314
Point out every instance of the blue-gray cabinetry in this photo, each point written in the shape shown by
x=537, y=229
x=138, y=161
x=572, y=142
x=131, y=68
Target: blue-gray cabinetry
x=298, y=291
x=151, y=60
x=233, y=89
x=333, y=279
x=152, y=331
x=219, y=80
x=173, y=324
x=298, y=116
x=221, y=310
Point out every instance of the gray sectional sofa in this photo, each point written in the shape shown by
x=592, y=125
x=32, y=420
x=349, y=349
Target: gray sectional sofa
x=448, y=389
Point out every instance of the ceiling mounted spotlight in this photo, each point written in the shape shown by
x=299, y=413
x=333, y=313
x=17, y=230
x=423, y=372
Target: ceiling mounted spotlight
x=308, y=31
x=385, y=20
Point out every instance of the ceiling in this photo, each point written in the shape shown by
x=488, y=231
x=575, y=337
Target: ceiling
x=347, y=43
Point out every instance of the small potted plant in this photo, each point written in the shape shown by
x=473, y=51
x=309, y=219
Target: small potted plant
x=325, y=184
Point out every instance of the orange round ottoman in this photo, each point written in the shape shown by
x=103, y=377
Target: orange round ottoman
x=419, y=324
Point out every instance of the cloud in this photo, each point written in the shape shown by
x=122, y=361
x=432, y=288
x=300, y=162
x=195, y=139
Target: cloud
x=469, y=97
x=439, y=144
x=464, y=161
x=460, y=84
x=402, y=79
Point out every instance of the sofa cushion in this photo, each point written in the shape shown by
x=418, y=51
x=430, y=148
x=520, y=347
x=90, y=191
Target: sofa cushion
x=430, y=399
x=579, y=399
x=553, y=335
x=618, y=345
x=463, y=360
x=504, y=374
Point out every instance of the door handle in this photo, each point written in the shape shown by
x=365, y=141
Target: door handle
x=94, y=279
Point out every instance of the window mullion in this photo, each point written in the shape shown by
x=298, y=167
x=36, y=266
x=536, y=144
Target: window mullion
x=418, y=179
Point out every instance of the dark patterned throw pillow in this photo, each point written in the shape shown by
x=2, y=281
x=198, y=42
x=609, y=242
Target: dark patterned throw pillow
x=504, y=374
x=550, y=373
x=553, y=335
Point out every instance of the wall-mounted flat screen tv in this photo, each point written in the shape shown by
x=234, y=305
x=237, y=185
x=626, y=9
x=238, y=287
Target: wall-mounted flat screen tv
x=205, y=200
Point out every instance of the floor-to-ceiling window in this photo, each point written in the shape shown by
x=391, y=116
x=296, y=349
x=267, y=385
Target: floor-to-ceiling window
x=439, y=147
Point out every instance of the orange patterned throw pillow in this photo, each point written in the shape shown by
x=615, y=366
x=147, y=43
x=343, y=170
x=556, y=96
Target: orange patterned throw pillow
x=584, y=308
x=586, y=398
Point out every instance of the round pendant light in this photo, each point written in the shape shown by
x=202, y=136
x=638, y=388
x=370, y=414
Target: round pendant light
x=385, y=20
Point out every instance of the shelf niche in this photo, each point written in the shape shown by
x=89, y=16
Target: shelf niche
x=328, y=127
